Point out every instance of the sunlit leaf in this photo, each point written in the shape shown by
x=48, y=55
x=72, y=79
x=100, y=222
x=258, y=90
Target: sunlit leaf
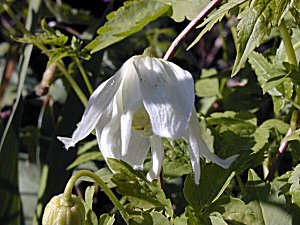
x=252, y=28
x=127, y=20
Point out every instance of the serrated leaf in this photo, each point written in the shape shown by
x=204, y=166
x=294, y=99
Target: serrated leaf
x=214, y=180
x=46, y=38
x=127, y=20
x=267, y=74
x=215, y=17
x=263, y=198
x=85, y=157
x=137, y=189
x=254, y=24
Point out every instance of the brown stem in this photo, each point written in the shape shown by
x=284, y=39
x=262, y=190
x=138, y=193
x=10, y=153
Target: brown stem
x=278, y=157
x=192, y=25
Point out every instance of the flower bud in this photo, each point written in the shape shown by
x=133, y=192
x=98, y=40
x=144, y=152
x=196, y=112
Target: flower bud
x=63, y=211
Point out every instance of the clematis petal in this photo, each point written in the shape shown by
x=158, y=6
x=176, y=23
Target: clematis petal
x=168, y=95
x=98, y=102
x=137, y=150
x=126, y=121
x=195, y=132
x=131, y=93
x=157, y=151
x=194, y=155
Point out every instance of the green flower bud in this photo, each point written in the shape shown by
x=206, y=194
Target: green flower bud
x=63, y=211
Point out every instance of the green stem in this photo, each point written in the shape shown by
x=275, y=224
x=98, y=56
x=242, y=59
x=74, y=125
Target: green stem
x=44, y=49
x=294, y=120
x=286, y=38
x=240, y=182
x=101, y=183
x=84, y=75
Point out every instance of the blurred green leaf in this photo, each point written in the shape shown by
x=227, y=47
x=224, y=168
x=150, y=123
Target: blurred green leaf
x=85, y=157
x=127, y=20
x=67, y=14
x=207, y=86
x=263, y=198
x=10, y=210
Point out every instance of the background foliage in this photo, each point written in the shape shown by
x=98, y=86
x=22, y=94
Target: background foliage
x=245, y=61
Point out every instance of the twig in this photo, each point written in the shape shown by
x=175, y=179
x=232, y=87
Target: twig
x=192, y=25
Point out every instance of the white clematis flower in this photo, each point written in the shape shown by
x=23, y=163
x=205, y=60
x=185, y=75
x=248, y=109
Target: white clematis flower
x=146, y=100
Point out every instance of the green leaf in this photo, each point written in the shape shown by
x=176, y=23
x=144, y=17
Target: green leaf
x=180, y=221
x=91, y=218
x=207, y=86
x=214, y=180
x=186, y=9
x=127, y=20
x=263, y=198
x=137, y=189
x=276, y=124
x=85, y=157
x=159, y=219
x=252, y=27
x=49, y=37
x=233, y=210
x=242, y=123
x=105, y=174
x=176, y=161
x=89, y=195
x=105, y=219
x=64, y=13
x=294, y=180
x=215, y=17
x=10, y=197
x=293, y=136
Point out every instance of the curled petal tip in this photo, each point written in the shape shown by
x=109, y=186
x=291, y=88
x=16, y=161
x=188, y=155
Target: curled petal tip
x=151, y=175
x=227, y=162
x=68, y=142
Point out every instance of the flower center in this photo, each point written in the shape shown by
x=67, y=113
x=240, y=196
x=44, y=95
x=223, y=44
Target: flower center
x=141, y=122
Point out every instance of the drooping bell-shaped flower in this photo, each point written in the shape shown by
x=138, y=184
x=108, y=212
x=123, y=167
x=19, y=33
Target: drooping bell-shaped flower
x=146, y=100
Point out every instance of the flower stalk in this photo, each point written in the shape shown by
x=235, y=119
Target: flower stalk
x=71, y=183
x=286, y=38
